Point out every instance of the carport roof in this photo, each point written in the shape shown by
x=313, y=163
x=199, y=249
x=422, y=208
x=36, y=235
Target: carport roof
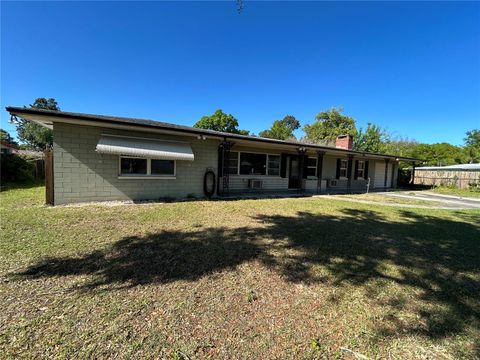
x=48, y=117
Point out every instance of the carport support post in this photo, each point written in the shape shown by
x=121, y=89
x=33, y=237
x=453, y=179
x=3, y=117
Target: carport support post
x=412, y=178
x=320, y=155
x=301, y=163
x=386, y=174
x=349, y=173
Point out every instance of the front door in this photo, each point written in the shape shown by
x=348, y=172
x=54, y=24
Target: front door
x=294, y=172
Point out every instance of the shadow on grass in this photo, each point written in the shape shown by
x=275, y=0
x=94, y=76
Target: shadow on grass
x=438, y=258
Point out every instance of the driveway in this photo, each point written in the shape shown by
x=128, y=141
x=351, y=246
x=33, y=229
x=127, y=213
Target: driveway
x=448, y=201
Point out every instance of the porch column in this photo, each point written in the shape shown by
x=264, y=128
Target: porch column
x=349, y=173
x=320, y=155
x=412, y=177
x=224, y=171
x=386, y=174
x=301, y=163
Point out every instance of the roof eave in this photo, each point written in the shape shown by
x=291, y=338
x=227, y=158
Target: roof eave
x=151, y=124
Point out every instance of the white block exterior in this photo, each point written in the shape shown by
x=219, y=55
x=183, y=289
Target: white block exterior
x=81, y=174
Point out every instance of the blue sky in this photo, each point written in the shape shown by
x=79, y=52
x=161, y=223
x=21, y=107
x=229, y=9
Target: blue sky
x=412, y=68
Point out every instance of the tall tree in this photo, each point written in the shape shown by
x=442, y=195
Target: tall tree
x=328, y=125
x=472, y=146
x=219, y=121
x=33, y=135
x=282, y=129
x=372, y=139
x=5, y=136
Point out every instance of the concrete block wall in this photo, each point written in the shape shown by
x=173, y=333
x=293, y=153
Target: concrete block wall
x=81, y=174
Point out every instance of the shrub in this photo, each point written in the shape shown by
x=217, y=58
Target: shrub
x=16, y=168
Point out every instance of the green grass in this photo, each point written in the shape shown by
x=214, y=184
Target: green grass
x=457, y=192
x=388, y=199
x=281, y=278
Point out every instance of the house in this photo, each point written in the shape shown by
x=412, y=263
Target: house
x=463, y=176
x=6, y=148
x=97, y=158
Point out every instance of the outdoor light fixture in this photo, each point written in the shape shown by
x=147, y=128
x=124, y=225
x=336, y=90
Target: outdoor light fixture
x=13, y=119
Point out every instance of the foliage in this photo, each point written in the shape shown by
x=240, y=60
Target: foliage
x=472, y=146
x=33, y=135
x=372, y=139
x=16, y=168
x=219, y=121
x=5, y=136
x=328, y=125
x=473, y=138
x=282, y=129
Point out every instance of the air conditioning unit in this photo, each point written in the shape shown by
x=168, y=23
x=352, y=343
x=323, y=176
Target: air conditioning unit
x=332, y=182
x=255, y=184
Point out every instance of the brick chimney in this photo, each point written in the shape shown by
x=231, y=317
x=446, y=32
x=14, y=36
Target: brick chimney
x=344, y=142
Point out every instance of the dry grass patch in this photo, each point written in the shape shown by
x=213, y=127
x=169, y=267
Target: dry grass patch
x=285, y=278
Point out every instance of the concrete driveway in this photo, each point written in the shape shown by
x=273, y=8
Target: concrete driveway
x=449, y=201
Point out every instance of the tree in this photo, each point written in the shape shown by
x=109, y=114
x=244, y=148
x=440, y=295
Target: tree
x=282, y=129
x=5, y=136
x=219, y=121
x=328, y=125
x=472, y=146
x=33, y=135
x=373, y=139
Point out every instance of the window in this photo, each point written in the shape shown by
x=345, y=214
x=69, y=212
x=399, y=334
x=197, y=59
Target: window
x=361, y=169
x=162, y=167
x=232, y=163
x=131, y=166
x=311, y=166
x=253, y=164
x=274, y=165
x=343, y=168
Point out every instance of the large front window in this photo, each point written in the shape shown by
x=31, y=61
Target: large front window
x=253, y=164
x=247, y=163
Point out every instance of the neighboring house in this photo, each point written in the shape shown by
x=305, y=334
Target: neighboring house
x=462, y=176
x=6, y=148
x=99, y=158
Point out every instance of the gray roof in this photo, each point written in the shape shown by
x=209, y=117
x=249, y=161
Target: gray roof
x=458, y=167
x=146, y=123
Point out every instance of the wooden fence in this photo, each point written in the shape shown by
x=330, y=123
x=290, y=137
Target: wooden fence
x=462, y=179
x=49, y=194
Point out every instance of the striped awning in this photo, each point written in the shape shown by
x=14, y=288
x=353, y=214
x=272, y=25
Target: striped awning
x=140, y=147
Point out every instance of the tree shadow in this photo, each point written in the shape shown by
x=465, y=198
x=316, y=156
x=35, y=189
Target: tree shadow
x=156, y=258
x=439, y=258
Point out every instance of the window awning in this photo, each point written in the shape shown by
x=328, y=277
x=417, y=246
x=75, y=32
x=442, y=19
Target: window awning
x=140, y=147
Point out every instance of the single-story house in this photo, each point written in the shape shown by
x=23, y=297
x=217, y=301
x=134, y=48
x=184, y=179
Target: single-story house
x=6, y=148
x=463, y=176
x=97, y=158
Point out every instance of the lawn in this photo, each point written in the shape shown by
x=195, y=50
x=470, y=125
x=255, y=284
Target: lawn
x=279, y=278
x=457, y=192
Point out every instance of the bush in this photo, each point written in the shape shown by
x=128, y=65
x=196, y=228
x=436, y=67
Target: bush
x=15, y=168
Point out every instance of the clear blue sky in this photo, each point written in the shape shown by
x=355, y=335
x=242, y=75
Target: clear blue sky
x=413, y=68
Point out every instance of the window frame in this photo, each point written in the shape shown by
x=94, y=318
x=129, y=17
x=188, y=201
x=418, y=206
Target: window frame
x=362, y=170
x=312, y=167
x=259, y=153
x=149, y=174
x=343, y=168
